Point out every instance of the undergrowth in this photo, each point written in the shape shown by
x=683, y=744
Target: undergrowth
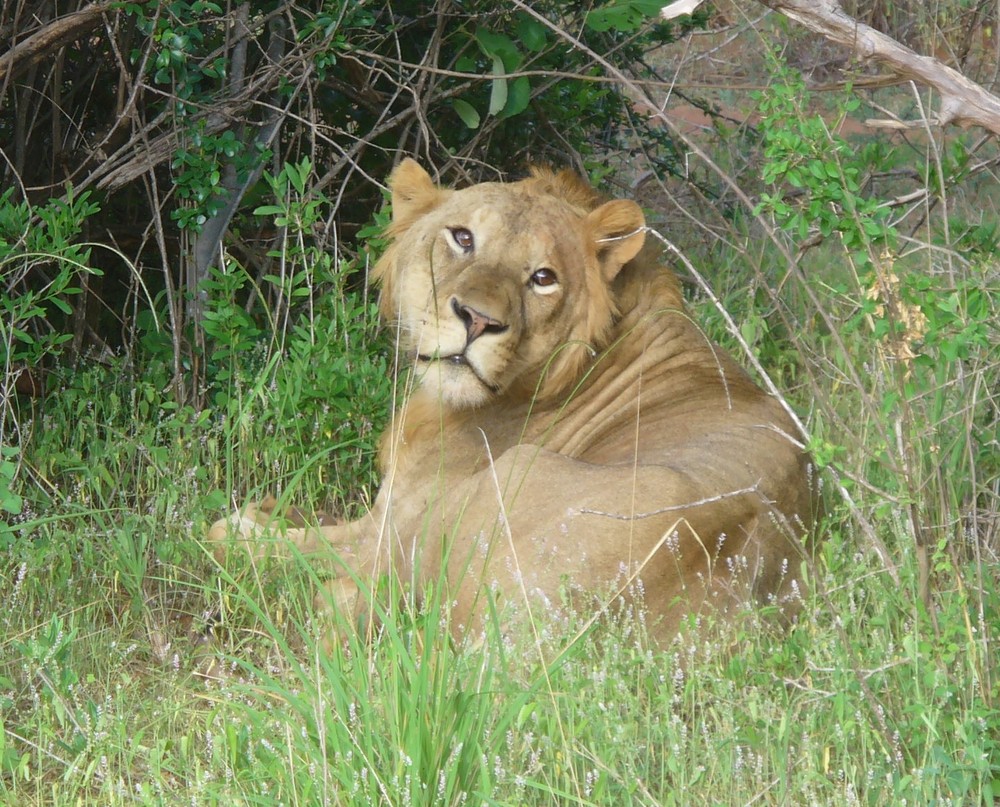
x=135, y=669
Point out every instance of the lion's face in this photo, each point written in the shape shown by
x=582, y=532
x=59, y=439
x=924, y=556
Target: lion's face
x=501, y=288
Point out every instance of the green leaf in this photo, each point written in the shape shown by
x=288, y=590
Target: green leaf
x=298, y=175
x=531, y=33
x=62, y=305
x=518, y=97
x=467, y=112
x=498, y=45
x=11, y=502
x=215, y=500
x=498, y=95
x=466, y=63
x=622, y=15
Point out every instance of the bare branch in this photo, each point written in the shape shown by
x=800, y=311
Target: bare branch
x=54, y=35
x=963, y=102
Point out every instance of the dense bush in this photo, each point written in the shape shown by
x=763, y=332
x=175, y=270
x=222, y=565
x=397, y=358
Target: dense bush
x=167, y=116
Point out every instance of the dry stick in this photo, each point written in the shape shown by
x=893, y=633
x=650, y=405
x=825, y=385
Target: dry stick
x=126, y=165
x=832, y=327
x=129, y=162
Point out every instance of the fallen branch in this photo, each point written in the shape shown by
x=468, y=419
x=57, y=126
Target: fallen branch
x=963, y=102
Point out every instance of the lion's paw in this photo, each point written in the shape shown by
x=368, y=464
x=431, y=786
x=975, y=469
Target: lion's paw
x=342, y=610
x=339, y=596
x=249, y=529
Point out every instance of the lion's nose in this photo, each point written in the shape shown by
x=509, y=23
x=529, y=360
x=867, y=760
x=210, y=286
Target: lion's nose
x=476, y=322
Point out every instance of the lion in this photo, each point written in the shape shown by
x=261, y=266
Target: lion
x=570, y=431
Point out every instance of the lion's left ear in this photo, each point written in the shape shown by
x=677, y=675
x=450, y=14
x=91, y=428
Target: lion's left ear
x=618, y=230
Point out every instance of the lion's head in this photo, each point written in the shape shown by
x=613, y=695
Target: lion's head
x=503, y=288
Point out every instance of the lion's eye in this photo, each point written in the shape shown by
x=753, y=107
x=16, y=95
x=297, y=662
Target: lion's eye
x=544, y=280
x=462, y=239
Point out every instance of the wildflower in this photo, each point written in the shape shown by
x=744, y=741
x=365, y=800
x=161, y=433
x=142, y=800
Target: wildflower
x=909, y=324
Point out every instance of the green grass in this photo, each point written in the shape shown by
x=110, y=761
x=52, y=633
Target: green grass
x=110, y=694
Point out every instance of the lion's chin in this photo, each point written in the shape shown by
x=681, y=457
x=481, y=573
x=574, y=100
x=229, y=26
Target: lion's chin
x=455, y=382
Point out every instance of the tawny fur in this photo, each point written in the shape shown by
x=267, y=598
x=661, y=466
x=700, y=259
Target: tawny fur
x=564, y=439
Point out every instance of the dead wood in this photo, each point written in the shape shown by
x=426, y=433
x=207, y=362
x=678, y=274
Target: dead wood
x=963, y=102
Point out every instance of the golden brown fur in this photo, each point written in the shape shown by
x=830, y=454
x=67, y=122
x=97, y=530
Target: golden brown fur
x=571, y=430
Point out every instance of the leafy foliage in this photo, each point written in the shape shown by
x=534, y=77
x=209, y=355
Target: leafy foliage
x=43, y=239
x=217, y=95
x=32, y=317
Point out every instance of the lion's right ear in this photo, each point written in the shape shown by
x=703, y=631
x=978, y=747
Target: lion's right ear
x=618, y=231
x=413, y=192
